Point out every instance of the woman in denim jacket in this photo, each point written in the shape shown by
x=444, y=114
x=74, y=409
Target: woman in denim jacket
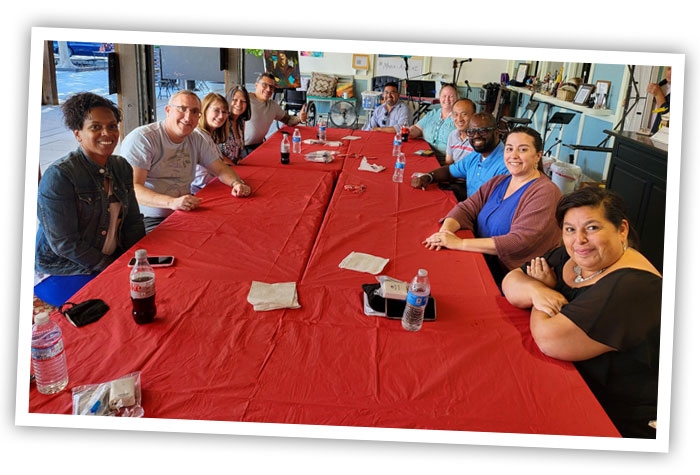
x=87, y=209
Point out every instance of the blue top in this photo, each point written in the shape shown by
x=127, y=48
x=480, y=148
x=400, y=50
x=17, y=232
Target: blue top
x=496, y=216
x=436, y=130
x=394, y=118
x=477, y=172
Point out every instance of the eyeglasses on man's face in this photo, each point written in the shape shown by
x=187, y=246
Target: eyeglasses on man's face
x=266, y=85
x=184, y=110
x=481, y=131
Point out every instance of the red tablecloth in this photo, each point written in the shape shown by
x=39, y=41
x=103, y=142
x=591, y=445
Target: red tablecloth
x=209, y=355
x=268, y=154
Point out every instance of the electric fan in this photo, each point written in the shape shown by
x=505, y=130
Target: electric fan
x=343, y=114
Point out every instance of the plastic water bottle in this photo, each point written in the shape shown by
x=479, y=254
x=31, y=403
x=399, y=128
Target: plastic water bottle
x=143, y=289
x=284, y=149
x=48, y=355
x=322, y=129
x=296, y=141
x=397, y=145
x=399, y=167
x=416, y=301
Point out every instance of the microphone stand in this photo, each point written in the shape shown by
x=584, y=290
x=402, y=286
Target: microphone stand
x=455, y=74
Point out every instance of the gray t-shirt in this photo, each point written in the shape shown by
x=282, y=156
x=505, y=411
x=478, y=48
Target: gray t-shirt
x=171, y=166
x=262, y=113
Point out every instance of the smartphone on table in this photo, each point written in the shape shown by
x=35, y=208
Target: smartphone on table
x=156, y=261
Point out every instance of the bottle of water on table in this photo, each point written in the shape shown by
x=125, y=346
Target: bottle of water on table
x=322, y=129
x=416, y=301
x=48, y=355
x=296, y=141
x=399, y=168
x=397, y=145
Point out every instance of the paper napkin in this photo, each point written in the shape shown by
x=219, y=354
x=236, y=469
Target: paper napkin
x=370, y=167
x=273, y=296
x=362, y=262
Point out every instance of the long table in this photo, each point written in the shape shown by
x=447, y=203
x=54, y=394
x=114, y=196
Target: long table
x=210, y=356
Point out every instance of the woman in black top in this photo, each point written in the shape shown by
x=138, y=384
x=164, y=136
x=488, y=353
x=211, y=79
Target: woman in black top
x=596, y=301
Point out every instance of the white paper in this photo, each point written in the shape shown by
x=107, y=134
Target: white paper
x=370, y=167
x=273, y=296
x=361, y=262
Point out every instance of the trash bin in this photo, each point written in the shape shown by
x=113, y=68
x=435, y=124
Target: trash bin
x=565, y=176
x=547, y=164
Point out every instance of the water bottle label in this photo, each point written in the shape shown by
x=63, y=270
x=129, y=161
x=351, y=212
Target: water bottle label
x=47, y=353
x=296, y=139
x=397, y=142
x=142, y=288
x=417, y=300
x=400, y=165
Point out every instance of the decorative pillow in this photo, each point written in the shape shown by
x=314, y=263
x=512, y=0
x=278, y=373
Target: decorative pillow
x=342, y=88
x=322, y=85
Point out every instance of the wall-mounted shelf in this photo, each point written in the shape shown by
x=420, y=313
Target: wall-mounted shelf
x=605, y=114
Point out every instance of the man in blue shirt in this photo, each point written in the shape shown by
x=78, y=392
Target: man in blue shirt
x=389, y=116
x=476, y=168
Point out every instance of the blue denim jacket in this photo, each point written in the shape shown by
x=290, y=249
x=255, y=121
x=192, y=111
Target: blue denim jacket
x=73, y=212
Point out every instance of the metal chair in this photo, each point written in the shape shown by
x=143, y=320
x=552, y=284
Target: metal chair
x=512, y=122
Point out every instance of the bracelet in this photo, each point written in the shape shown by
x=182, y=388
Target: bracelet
x=430, y=174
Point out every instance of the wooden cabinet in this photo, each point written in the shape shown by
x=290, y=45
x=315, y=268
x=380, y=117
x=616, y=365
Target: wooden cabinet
x=637, y=172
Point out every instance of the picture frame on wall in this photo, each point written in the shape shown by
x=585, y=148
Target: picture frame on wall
x=360, y=61
x=583, y=94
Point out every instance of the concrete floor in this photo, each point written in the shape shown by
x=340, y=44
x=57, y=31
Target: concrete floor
x=55, y=139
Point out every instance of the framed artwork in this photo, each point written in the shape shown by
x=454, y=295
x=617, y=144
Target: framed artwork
x=583, y=94
x=602, y=87
x=521, y=74
x=360, y=61
x=285, y=67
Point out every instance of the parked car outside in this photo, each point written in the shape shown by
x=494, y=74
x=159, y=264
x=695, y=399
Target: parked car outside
x=77, y=48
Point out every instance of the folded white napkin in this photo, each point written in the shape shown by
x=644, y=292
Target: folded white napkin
x=331, y=143
x=273, y=296
x=351, y=137
x=362, y=262
x=370, y=167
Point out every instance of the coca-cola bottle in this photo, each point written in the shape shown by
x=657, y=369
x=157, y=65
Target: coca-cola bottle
x=284, y=149
x=143, y=289
x=404, y=131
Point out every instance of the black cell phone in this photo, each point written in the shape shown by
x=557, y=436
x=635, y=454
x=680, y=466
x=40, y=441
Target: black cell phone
x=156, y=261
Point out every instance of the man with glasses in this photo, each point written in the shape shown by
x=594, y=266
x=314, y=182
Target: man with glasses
x=164, y=156
x=391, y=115
x=485, y=162
x=264, y=110
x=458, y=145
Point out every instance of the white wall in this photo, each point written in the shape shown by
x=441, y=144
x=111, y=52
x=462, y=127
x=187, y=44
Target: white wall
x=479, y=71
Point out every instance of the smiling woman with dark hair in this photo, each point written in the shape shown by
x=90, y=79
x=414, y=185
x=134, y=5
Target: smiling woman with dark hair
x=87, y=210
x=596, y=301
x=511, y=216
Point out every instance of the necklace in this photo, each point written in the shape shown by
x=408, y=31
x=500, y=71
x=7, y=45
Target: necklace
x=577, y=270
x=579, y=278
